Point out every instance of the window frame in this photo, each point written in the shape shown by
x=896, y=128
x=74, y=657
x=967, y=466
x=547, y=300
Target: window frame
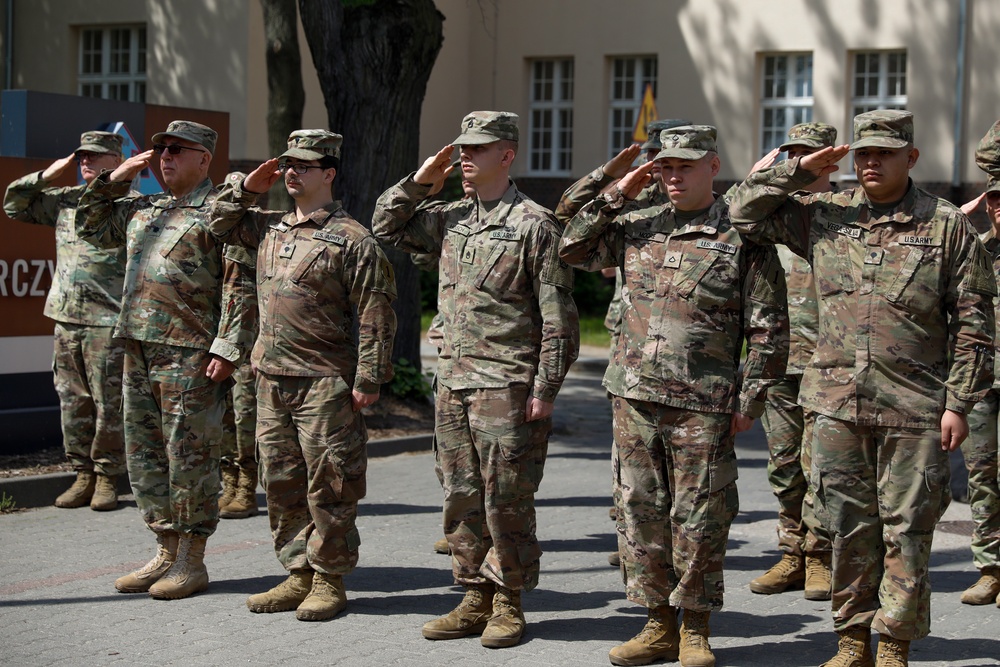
x=645, y=70
x=559, y=108
x=105, y=82
x=800, y=107
x=882, y=99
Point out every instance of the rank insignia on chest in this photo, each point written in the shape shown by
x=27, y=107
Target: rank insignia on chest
x=672, y=260
x=286, y=250
x=468, y=255
x=853, y=232
x=505, y=234
x=717, y=245
x=329, y=237
x=874, y=255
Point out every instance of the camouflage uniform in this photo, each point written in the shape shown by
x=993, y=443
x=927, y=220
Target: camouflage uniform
x=511, y=332
x=311, y=273
x=169, y=320
x=692, y=290
x=84, y=300
x=906, y=331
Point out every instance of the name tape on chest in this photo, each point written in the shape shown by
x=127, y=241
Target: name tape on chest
x=657, y=237
x=506, y=234
x=330, y=237
x=853, y=232
x=717, y=245
x=912, y=239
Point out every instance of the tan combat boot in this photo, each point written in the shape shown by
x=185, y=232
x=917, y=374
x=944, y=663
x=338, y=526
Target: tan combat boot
x=187, y=575
x=695, y=651
x=441, y=546
x=140, y=580
x=659, y=640
x=80, y=493
x=853, y=649
x=614, y=559
x=326, y=599
x=105, y=496
x=818, y=577
x=892, y=652
x=986, y=589
x=787, y=573
x=506, y=625
x=286, y=596
x=230, y=479
x=468, y=618
x=244, y=503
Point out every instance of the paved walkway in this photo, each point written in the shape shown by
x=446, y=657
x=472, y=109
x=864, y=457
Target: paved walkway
x=58, y=605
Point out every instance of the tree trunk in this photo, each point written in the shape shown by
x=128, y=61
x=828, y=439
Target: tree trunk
x=373, y=60
x=285, y=95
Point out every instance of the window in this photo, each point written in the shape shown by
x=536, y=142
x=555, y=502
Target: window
x=786, y=96
x=550, y=129
x=879, y=81
x=629, y=77
x=113, y=63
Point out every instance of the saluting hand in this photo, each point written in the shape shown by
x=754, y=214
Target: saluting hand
x=765, y=161
x=634, y=181
x=262, y=178
x=58, y=168
x=824, y=161
x=435, y=169
x=970, y=206
x=619, y=165
x=130, y=168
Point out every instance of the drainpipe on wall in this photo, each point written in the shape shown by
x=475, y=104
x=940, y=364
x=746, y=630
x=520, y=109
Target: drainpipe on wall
x=8, y=43
x=956, y=161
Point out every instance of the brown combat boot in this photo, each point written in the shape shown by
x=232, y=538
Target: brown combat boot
x=506, y=625
x=187, y=575
x=853, y=649
x=659, y=640
x=787, y=573
x=230, y=480
x=441, y=546
x=694, y=649
x=244, y=503
x=892, y=652
x=80, y=493
x=140, y=580
x=286, y=596
x=105, y=496
x=468, y=618
x=818, y=577
x=326, y=599
x=614, y=559
x=985, y=590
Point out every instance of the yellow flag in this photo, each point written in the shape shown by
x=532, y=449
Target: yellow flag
x=647, y=114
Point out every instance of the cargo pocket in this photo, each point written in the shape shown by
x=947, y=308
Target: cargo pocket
x=914, y=287
x=346, y=467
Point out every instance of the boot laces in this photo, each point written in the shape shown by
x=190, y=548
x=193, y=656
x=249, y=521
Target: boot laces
x=890, y=648
x=786, y=565
x=180, y=567
x=815, y=567
x=650, y=631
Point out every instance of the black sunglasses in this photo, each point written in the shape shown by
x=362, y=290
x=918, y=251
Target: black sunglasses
x=173, y=149
x=298, y=168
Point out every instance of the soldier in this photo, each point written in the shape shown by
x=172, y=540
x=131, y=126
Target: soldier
x=905, y=349
x=980, y=449
x=511, y=331
x=692, y=291
x=804, y=543
x=316, y=264
x=175, y=363
x=84, y=300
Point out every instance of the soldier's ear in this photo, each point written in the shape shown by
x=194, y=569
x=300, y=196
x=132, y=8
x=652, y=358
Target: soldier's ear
x=912, y=158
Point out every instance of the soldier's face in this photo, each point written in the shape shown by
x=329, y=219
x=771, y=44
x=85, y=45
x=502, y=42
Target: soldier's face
x=183, y=171
x=651, y=156
x=313, y=182
x=485, y=163
x=92, y=164
x=800, y=151
x=688, y=183
x=993, y=207
x=884, y=172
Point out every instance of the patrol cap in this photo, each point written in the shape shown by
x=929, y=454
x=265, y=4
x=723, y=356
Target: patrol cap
x=100, y=142
x=992, y=184
x=885, y=128
x=654, y=129
x=988, y=151
x=485, y=127
x=313, y=144
x=811, y=135
x=687, y=142
x=191, y=131
x=234, y=178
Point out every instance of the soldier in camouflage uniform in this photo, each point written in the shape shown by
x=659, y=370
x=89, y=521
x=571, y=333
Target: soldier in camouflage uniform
x=84, y=301
x=511, y=332
x=980, y=449
x=315, y=264
x=905, y=350
x=175, y=363
x=693, y=290
x=802, y=539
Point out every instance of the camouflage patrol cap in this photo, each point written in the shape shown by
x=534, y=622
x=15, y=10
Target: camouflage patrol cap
x=235, y=178
x=687, y=142
x=485, y=127
x=191, y=131
x=313, y=144
x=992, y=184
x=654, y=129
x=812, y=135
x=885, y=128
x=988, y=151
x=100, y=142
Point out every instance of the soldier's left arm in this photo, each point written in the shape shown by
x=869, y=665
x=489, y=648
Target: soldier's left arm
x=553, y=288
x=765, y=326
x=372, y=285
x=238, y=323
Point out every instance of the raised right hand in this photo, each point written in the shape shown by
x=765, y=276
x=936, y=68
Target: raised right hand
x=619, y=165
x=634, y=181
x=435, y=169
x=130, y=168
x=262, y=178
x=58, y=168
x=824, y=161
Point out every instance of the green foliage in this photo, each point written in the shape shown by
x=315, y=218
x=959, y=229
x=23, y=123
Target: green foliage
x=428, y=291
x=408, y=382
x=7, y=504
x=592, y=293
x=593, y=332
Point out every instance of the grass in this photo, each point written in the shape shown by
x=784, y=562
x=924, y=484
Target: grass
x=7, y=504
x=592, y=331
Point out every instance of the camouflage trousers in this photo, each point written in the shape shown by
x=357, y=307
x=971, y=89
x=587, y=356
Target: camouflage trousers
x=173, y=431
x=492, y=463
x=980, y=451
x=789, y=433
x=239, y=423
x=87, y=370
x=313, y=458
x=884, y=490
x=675, y=479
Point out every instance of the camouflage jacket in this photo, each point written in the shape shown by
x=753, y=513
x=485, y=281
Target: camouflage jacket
x=803, y=313
x=693, y=290
x=505, y=298
x=87, y=281
x=905, y=300
x=310, y=276
x=174, y=268
x=992, y=245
